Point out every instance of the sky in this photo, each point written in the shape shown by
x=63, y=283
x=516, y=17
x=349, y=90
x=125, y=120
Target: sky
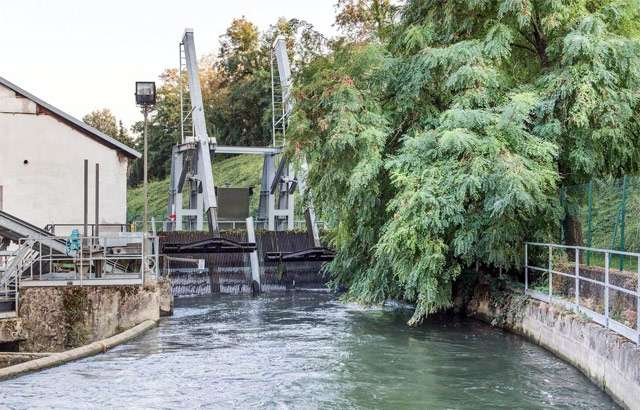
x=83, y=55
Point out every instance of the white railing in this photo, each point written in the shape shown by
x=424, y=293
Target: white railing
x=8, y=284
x=136, y=226
x=574, y=302
x=66, y=229
x=120, y=259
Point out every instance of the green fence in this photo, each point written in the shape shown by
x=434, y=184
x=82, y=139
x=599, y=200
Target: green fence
x=607, y=212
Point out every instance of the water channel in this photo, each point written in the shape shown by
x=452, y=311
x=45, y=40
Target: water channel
x=308, y=350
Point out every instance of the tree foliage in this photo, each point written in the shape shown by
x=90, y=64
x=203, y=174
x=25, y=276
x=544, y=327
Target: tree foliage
x=236, y=89
x=445, y=146
x=365, y=19
x=104, y=121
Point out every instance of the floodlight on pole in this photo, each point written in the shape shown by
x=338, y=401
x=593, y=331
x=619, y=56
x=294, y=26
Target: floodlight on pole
x=146, y=98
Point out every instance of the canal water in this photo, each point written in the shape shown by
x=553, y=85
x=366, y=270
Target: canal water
x=306, y=351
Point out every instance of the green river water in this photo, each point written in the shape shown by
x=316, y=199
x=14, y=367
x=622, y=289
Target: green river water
x=307, y=351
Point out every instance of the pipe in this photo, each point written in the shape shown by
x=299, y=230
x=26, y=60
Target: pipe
x=97, y=213
x=86, y=197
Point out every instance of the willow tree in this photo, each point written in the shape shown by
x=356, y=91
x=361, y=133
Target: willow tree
x=445, y=148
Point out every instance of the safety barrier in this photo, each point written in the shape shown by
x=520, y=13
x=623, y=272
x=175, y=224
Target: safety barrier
x=121, y=259
x=573, y=272
x=223, y=224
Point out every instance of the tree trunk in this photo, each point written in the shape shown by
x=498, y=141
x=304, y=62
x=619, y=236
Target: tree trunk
x=572, y=233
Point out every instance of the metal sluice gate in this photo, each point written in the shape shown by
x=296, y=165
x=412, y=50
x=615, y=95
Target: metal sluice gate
x=213, y=245
x=315, y=254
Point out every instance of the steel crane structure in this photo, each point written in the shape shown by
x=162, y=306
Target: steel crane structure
x=191, y=168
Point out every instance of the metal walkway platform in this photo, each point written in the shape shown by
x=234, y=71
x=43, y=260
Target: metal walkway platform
x=14, y=229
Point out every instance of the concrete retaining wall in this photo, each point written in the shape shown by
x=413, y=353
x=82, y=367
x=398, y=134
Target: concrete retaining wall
x=165, y=297
x=609, y=360
x=59, y=318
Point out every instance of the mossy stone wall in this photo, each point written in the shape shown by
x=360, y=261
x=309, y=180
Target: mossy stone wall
x=60, y=318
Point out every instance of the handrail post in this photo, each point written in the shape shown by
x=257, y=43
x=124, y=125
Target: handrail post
x=17, y=294
x=81, y=252
x=550, y=275
x=526, y=267
x=577, y=292
x=104, y=257
x=142, y=261
x=31, y=266
x=40, y=259
x=606, y=288
x=638, y=302
x=91, y=262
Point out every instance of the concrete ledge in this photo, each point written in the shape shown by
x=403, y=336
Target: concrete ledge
x=13, y=358
x=611, y=361
x=91, y=349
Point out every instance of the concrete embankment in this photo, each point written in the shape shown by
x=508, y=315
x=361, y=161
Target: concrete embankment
x=55, y=359
x=56, y=319
x=609, y=360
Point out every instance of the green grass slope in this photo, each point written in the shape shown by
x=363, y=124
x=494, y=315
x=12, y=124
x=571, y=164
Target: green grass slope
x=238, y=171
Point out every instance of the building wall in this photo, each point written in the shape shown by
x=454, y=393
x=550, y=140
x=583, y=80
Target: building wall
x=41, y=167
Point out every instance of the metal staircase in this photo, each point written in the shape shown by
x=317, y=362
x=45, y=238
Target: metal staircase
x=12, y=271
x=16, y=229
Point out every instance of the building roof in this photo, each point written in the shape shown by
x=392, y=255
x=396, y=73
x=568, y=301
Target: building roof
x=87, y=129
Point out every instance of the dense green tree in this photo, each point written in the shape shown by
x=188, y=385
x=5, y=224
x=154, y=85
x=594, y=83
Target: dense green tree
x=451, y=140
x=364, y=19
x=104, y=121
x=236, y=89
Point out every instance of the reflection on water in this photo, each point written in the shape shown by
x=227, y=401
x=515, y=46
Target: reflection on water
x=309, y=351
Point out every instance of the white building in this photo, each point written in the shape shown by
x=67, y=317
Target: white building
x=42, y=153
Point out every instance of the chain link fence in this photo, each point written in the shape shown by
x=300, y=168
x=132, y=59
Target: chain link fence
x=604, y=214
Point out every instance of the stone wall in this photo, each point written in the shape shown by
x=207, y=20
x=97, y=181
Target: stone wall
x=60, y=318
x=609, y=360
x=165, y=297
x=11, y=330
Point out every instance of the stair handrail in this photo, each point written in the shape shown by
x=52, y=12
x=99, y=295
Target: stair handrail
x=25, y=253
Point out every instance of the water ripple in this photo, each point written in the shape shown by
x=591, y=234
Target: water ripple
x=300, y=351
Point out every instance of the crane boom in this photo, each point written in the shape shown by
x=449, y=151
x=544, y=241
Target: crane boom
x=200, y=130
x=284, y=72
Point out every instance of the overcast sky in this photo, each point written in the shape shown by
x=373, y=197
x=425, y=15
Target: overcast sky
x=82, y=55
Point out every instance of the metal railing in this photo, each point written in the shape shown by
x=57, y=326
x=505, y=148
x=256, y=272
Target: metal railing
x=154, y=226
x=233, y=224
x=118, y=259
x=8, y=287
x=91, y=228
x=587, y=276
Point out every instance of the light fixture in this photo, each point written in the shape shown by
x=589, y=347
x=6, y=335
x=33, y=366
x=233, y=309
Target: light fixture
x=145, y=93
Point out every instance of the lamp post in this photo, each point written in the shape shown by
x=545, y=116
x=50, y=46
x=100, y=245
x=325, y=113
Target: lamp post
x=146, y=98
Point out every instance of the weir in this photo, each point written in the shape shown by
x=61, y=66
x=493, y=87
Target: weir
x=201, y=273
x=267, y=254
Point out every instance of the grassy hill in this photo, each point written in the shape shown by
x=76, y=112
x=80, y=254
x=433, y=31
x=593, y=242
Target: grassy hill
x=238, y=171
